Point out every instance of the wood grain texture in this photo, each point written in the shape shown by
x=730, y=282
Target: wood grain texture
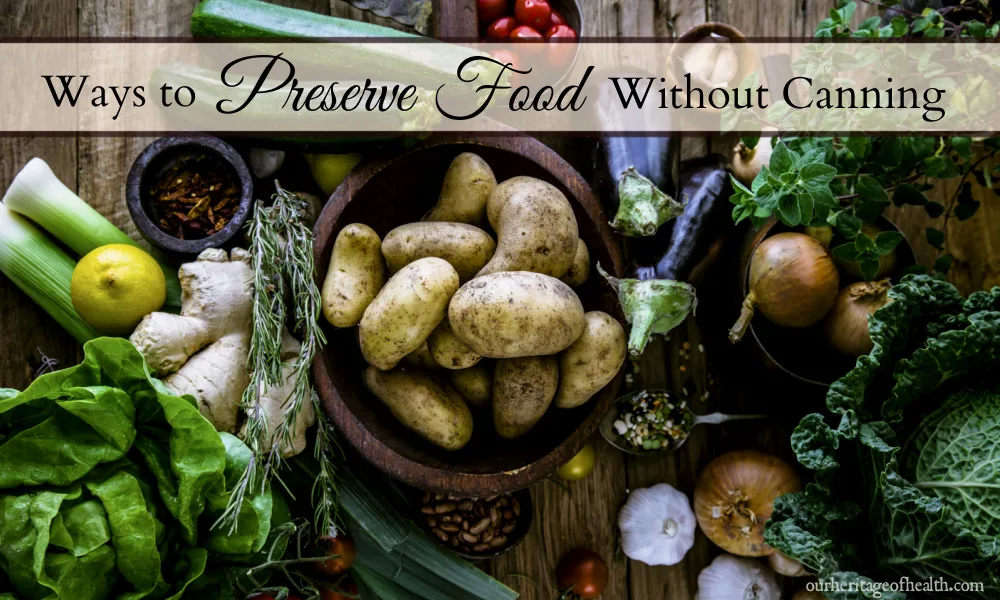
x=25, y=329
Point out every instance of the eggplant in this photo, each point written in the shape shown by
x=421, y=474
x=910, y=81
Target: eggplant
x=705, y=191
x=660, y=297
x=638, y=175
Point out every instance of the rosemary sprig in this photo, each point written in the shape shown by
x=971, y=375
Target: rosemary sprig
x=264, y=358
x=300, y=271
x=281, y=252
x=325, y=497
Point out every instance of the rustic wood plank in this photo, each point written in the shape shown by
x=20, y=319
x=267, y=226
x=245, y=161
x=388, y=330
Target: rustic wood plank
x=24, y=327
x=570, y=515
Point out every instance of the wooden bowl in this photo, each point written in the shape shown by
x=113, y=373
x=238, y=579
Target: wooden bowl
x=390, y=191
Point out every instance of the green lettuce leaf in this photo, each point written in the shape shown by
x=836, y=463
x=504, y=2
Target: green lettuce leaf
x=109, y=483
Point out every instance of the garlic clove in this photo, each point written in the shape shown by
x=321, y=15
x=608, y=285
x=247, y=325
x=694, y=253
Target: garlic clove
x=730, y=577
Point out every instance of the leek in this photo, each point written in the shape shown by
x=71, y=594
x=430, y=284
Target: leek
x=38, y=194
x=42, y=270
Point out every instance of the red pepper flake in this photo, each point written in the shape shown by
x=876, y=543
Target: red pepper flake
x=195, y=197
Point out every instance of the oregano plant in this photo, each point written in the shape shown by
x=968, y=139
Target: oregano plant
x=845, y=183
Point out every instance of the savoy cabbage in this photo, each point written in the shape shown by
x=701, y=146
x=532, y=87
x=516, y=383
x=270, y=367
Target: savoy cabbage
x=907, y=460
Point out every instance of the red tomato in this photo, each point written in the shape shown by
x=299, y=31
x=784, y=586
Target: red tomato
x=524, y=32
x=561, y=32
x=343, y=547
x=556, y=19
x=505, y=57
x=500, y=29
x=490, y=10
x=536, y=13
x=584, y=572
x=350, y=587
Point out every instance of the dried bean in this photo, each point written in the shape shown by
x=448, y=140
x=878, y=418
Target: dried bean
x=469, y=538
x=480, y=526
x=427, y=510
x=508, y=528
x=449, y=527
x=444, y=507
x=516, y=506
x=440, y=534
x=498, y=541
x=465, y=505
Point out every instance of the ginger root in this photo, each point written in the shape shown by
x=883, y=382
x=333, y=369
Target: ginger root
x=203, y=351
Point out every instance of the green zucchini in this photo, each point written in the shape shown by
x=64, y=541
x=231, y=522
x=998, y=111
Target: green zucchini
x=245, y=19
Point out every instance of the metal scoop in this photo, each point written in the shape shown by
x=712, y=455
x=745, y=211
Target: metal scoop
x=624, y=404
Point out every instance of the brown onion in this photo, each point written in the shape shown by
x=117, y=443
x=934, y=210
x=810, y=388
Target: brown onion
x=793, y=282
x=805, y=594
x=745, y=162
x=822, y=234
x=735, y=495
x=789, y=567
x=847, y=322
x=852, y=269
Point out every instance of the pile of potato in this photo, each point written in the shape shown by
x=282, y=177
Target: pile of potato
x=454, y=297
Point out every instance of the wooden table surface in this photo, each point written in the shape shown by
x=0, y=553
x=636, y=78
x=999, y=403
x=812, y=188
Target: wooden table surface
x=567, y=515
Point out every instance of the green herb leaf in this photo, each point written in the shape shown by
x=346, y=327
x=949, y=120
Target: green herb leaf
x=943, y=263
x=935, y=237
x=869, y=268
x=864, y=244
x=789, y=209
x=963, y=146
x=859, y=146
x=941, y=167
x=967, y=205
x=869, y=189
x=886, y=241
x=934, y=209
x=848, y=225
x=847, y=252
x=782, y=159
x=750, y=141
x=908, y=194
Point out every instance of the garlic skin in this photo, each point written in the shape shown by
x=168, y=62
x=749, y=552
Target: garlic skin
x=734, y=578
x=657, y=525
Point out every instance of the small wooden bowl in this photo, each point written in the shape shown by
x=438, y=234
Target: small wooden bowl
x=390, y=191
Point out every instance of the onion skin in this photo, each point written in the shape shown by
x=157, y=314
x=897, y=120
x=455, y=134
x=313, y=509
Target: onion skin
x=745, y=163
x=846, y=324
x=793, y=282
x=789, y=567
x=734, y=498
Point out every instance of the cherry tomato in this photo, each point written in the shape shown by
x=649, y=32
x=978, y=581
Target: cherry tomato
x=490, y=10
x=556, y=19
x=584, y=572
x=500, y=29
x=561, y=32
x=524, y=32
x=505, y=57
x=343, y=547
x=349, y=586
x=536, y=13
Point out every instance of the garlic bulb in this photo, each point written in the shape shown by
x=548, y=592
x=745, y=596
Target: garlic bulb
x=733, y=578
x=657, y=525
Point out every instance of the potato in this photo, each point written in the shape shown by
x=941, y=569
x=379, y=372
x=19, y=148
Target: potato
x=535, y=225
x=474, y=384
x=579, y=271
x=523, y=388
x=468, y=182
x=355, y=276
x=406, y=311
x=449, y=351
x=421, y=358
x=424, y=404
x=509, y=315
x=592, y=361
x=465, y=247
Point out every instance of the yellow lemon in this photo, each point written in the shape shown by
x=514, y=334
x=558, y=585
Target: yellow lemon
x=329, y=170
x=115, y=286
